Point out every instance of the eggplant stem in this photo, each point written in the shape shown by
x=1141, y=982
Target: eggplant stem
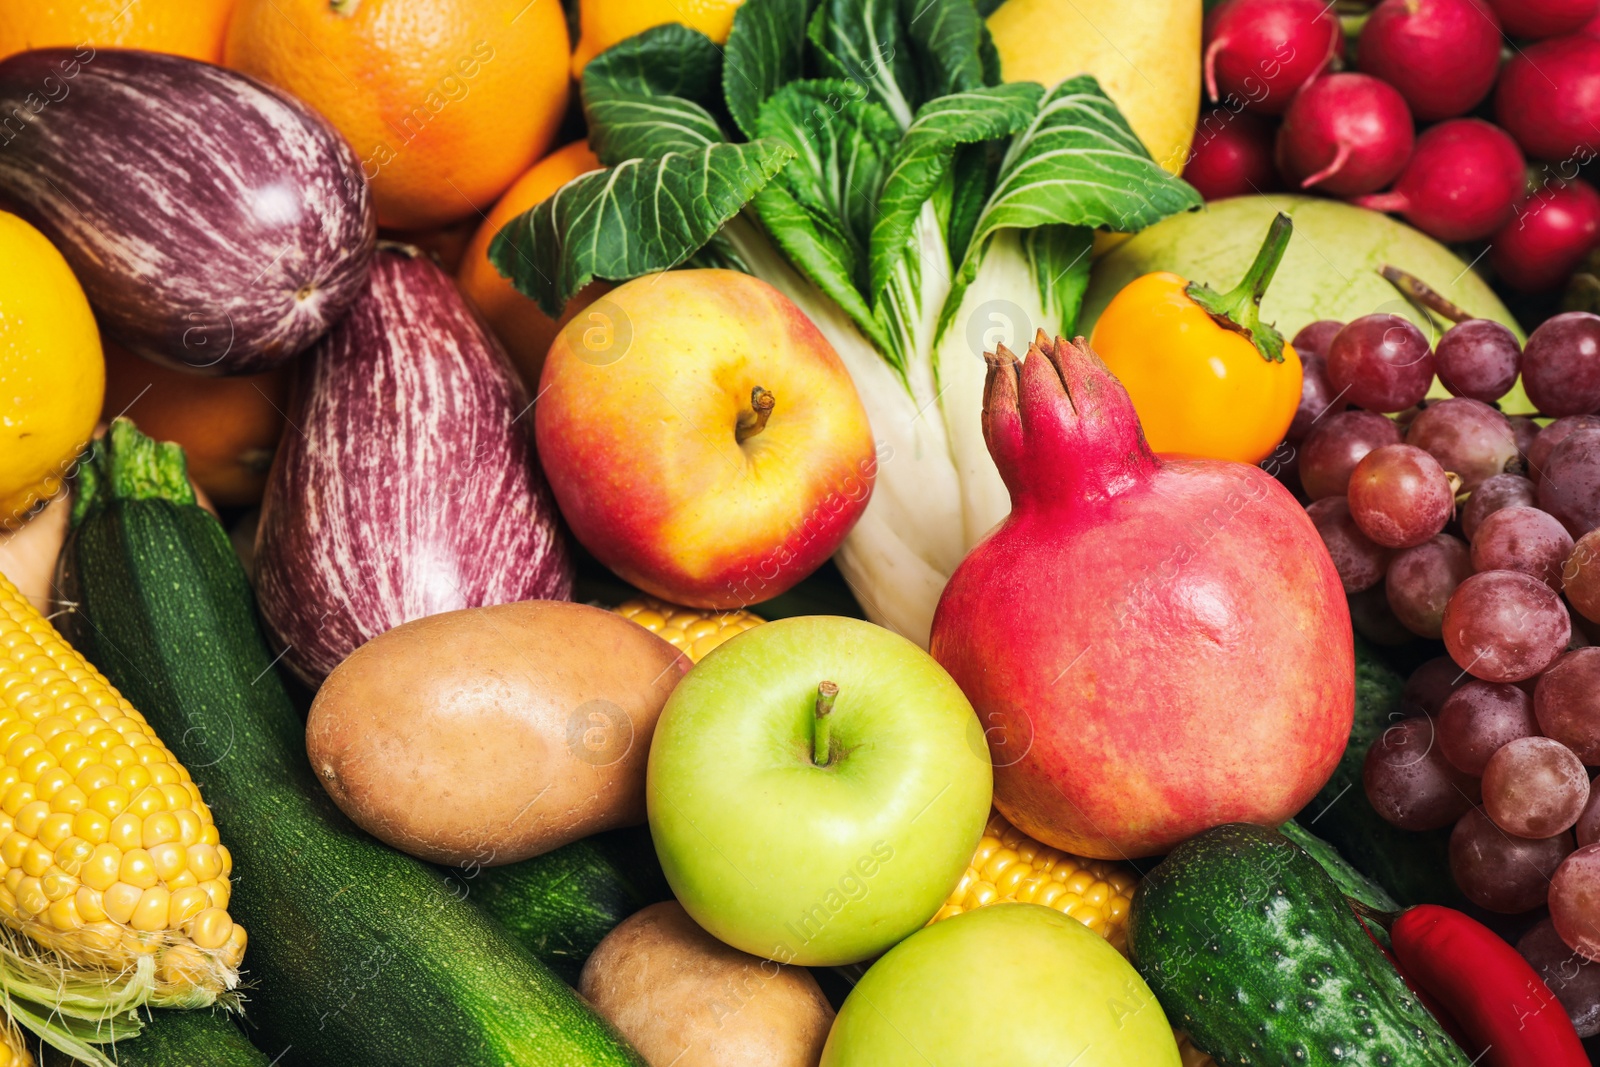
x=761, y=404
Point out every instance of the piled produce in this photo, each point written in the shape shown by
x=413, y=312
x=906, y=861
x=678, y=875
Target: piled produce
x=800, y=533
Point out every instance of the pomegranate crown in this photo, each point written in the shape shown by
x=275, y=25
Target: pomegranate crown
x=1060, y=427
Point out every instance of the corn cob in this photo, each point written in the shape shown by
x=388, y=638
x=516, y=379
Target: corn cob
x=110, y=864
x=1011, y=866
x=13, y=1047
x=693, y=631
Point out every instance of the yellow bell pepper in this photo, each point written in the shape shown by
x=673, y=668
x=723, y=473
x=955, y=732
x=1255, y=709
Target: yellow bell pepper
x=1207, y=376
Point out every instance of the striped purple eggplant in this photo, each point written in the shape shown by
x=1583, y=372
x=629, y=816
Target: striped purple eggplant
x=216, y=223
x=407, y=483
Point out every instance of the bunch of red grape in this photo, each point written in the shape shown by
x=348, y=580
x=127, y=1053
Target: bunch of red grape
x=1304, y=100
x=1452, y=522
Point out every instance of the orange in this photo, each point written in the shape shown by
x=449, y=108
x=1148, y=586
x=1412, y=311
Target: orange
x=516, y=319
x=192, y=28
x=603, y=23
x=445, y=101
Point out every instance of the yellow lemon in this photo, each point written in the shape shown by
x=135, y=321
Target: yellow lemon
x=1146, y=54
x=52, y=374
x=603, y=23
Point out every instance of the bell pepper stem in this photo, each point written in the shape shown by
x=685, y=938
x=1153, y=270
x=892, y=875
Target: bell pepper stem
x=822, y=722
x=1239, y=309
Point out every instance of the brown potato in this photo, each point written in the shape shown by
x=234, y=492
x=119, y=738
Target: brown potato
x=685, y=999
x=490, y=735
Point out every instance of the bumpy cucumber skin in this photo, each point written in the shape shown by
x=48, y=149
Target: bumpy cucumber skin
x=1251, y=948
x=1351, y=882
x=359, y=955
x=1413, y=867
x=562, y=904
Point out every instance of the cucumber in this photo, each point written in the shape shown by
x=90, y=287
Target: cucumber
x=1413, y=867
x=560, y=905
x=170, y=1038
x=1351, y=882
x=358, y=954
x=1252, y=949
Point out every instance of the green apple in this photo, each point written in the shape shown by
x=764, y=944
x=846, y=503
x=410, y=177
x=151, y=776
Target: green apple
x=1011, y=983
x=807, y=826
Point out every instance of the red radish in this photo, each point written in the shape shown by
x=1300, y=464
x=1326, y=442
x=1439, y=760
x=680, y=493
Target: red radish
x=1592, y=27
x=1551, y=233
x=1258, y=52
x=1442, y=55
x=1460, y=183
x=1203, y=671
x=1549, y=98
x=1544, y=18
x=1345, y=134
x=1232, y=155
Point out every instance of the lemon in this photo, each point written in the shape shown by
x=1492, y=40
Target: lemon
x=52, y=374
x=1146, y=54
x=602, y=23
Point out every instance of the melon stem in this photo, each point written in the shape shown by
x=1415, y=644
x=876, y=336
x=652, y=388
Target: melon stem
x=822, y=723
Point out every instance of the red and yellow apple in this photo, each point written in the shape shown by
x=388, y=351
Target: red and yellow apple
x=702, y=438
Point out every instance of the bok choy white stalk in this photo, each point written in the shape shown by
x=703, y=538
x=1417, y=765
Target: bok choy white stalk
x=862, y=157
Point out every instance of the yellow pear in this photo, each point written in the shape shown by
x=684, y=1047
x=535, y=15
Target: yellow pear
x=1146, y=54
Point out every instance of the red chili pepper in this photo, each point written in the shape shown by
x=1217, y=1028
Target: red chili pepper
x=1456, y=1031
x=1498, y=999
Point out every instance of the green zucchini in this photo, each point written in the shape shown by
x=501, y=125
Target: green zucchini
x=1252, y=949
x=1413, y=867
x=358, y=954
x=171, y=1038
x=560, y=905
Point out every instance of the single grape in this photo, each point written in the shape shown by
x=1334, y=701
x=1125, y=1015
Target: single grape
x=1538, y=453
x=1479, y=719
x=1315, y=338
x=1505, y=626
x=1316, y=397
x=1522, y=539
x=1421, y=578
x=1360, y=563
x=1534, y=787
x=1588, y=828
x=1372, y=619
x=1561, y=364
x=1499, y=871
x=1410, y=783
x=1335, y=447
x=1567, y=703
x=1477, y=358
x=1526, y=430
x=1501, y=491
x=1381, y=363
x=1580, y=576
x=1469, y=438
x=1575, y=901
x=1573, y=979
x=1430, y=685
x=1570, y=488
x=1399, y=496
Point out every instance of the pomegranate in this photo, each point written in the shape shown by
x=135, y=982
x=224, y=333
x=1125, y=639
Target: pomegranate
x=1548, y=237
x=1544, y=18
x=1258, y=52
x=1164, y=640
x=1231, y=156
x=1460, y=183
x=1345, y=134
x=1442, y=55
x=1548, y=98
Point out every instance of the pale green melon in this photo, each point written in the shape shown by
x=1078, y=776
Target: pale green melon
x=1330, y=270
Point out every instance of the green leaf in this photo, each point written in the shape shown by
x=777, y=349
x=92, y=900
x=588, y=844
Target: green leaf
x=926, y=153
x=973, y=171
x=640, y=216
x=765, y=52
x=820, y=208
x=1060, y=257
x=652, y=94
x=948, y=37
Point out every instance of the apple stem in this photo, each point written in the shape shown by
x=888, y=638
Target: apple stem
x=821, y=731
x=762, y=401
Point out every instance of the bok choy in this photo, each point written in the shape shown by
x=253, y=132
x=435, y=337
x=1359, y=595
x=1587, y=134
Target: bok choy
x=863, y=157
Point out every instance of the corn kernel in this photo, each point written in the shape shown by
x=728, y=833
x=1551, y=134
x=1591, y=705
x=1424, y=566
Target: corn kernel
x=138, y=869
x=693, y=631
x=127, y=830
x=212, y=927
x=101, y=869
x=120, y=900
x=153, y=911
